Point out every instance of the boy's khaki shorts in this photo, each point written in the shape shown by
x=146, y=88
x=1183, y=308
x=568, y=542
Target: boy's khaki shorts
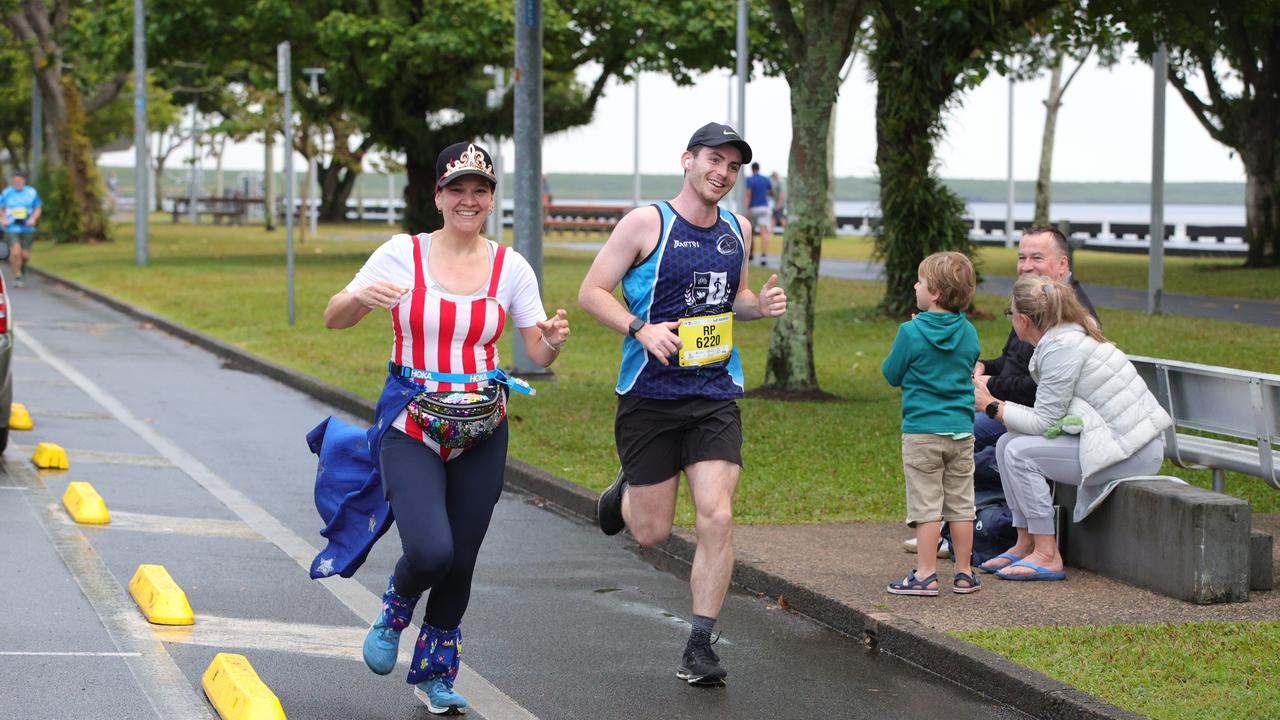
x=939, y=474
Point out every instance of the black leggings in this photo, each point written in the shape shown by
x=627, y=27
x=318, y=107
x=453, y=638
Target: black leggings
x=442, y=510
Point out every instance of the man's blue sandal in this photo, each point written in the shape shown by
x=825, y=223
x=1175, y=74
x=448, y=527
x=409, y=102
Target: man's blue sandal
x=1039, y=574
x=911, y=585
x=991, y=571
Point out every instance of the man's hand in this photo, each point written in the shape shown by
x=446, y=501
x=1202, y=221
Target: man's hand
x=979, y=368
x=381, y=294
x=555, y=329
x=660, y=339
x=980, y=383
x=773, y=299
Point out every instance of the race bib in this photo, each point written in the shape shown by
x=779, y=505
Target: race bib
x=705, y=339
x=18, y=213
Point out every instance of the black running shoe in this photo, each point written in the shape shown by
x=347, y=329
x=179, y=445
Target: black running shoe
x=701, y=666
x=609, y=507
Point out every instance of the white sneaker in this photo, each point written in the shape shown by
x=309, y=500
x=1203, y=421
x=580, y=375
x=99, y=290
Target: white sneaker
x=944, y=547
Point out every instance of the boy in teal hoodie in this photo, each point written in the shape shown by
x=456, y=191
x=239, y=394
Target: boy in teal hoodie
x=932, y=360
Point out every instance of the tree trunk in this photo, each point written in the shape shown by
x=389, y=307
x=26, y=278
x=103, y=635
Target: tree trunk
x=1044, y=181
x=920, y=215
x=336, y=184
x=1262, y=208
x=420, y=213
x=790, y=364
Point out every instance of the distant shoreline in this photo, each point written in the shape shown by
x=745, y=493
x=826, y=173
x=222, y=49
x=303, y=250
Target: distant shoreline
x=582, y=186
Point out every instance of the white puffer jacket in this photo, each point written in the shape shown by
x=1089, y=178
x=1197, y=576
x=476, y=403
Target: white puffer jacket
x=1077, y=375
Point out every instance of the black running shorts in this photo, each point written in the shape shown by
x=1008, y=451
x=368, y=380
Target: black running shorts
x=658, y=438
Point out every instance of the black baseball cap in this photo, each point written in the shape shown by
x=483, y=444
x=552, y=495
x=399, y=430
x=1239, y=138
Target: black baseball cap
x=713, y=134
x=461, y=159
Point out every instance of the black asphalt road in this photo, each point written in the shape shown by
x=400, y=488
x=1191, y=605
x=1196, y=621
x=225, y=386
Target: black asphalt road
x=206, y=472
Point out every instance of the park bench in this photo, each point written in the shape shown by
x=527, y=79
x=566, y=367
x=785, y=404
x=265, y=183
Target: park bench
x=1185, y=541
x=582, y=217
x=233, y=210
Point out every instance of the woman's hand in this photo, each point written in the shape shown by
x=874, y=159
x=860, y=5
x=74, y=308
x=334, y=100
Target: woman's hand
x=555, y=330
x=381, y=294
x=981, y=396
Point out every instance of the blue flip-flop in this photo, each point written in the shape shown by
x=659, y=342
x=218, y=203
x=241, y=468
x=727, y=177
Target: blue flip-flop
x=1039, y=574
x=983, y=567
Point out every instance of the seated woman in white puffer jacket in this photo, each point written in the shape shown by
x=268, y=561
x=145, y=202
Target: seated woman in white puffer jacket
x=1094, y=423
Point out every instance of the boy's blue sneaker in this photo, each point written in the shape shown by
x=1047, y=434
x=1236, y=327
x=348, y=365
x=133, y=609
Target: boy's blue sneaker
x=438, y=695
x=382, y=644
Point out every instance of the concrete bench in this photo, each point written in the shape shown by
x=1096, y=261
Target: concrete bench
x=1183, y=541
x=1179, y=540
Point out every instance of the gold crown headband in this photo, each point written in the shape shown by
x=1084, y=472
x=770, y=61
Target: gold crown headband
x=471, y=159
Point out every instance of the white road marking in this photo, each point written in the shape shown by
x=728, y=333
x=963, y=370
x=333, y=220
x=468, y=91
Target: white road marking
x=331, y=641
x=20, y=653
x=97, y=456
x=162, y=683
x=486, y=698
x=174, y=525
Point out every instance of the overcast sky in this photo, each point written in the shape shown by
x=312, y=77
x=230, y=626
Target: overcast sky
x=1104, y=130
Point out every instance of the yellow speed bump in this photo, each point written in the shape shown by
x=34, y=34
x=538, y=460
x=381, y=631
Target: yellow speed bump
x=236, y=691
x=19, y=418
x=49, y=455
x=85, y=504
x=159, y=597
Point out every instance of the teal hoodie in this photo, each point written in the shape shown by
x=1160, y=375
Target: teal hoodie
x=932, y=359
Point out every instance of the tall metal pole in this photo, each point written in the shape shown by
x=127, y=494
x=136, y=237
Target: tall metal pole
x=1155, y=272
x=285, y=85
x=192, y=192
x=1008, y=216
x=635, y=150
x=37, y=128
x=742, y=92
x=141, y=198
x=528, y=146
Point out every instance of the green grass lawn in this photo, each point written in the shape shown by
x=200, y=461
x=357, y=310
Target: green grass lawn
x=806, y=461
x=1194, y=671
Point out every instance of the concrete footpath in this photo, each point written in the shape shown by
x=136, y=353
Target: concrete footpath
x=836, y=573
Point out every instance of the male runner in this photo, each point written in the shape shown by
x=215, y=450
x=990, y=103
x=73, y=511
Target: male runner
x=683, y=269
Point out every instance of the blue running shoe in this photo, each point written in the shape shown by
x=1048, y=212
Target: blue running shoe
x=382, y=644
x=438, y=695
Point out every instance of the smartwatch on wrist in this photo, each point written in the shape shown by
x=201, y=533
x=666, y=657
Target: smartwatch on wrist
x=992, y=409
x=635, y=326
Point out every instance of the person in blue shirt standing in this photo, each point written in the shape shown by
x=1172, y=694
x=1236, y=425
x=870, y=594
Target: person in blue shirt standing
x=19, y=212
x=759, y=188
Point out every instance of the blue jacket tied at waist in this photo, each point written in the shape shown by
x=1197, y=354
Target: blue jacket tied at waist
x=348, y=491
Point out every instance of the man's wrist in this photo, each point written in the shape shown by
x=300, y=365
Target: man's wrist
x=635, y=326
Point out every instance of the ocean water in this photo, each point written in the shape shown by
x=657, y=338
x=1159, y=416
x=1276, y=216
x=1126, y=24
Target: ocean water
x=1074, y=212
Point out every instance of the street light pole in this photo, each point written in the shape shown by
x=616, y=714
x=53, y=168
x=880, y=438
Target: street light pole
x=141, y=197
x=313, y=171
x=528, y=147
x=1008, y=217
x=284, y=82
x=1155, y=271
x=742, y=92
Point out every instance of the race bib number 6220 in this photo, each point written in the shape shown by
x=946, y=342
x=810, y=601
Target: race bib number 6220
x=705, y=339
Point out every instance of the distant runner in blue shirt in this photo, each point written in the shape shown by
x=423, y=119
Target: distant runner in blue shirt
x=759, y=189
x=19, y=212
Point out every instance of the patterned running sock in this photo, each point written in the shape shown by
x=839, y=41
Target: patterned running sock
x=702, y=627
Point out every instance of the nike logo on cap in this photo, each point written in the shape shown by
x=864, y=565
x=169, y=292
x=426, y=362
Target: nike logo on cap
x=730, y=132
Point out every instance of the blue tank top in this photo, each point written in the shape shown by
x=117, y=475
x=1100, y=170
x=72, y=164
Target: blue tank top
x=692, y=271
